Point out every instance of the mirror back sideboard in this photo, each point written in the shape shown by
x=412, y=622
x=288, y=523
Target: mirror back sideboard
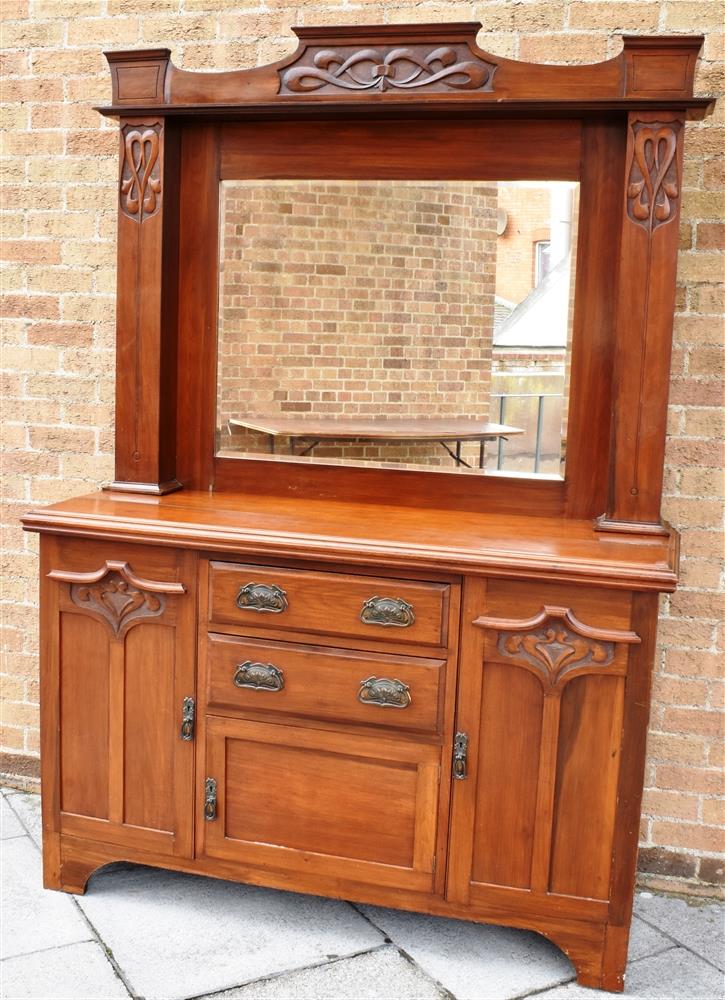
x=248, y=662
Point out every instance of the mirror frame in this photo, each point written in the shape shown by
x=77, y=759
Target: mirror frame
x=472, y=116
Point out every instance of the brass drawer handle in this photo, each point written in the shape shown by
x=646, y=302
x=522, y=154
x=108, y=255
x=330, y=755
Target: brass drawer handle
x=262, y=597
x=387, y=611
x=262, y=676
x=384, y=692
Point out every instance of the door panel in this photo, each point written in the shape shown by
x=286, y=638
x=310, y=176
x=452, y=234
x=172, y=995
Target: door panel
x=355, y=807
x=151, y=733
x=586, y=786
x=83, y=716
x=541, y=699
x=508, y=759
x=125, y=633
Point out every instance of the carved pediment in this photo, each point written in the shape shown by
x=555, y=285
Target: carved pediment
x=555, y=644
x=413, y=67
x=116, y=595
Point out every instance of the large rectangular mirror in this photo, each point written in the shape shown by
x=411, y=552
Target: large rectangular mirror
x=418, y=324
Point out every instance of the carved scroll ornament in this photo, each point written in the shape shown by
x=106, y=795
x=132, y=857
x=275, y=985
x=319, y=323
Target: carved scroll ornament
x=140, y=192
x=115, y=595
x=409, y=67
x=555, y=644
x=653, y=183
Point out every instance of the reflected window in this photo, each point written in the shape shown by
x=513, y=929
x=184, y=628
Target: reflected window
x=542, y=257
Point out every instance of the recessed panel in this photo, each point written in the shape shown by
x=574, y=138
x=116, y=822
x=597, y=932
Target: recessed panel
x=331, y=803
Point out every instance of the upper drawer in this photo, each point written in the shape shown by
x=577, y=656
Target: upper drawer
x=329, y=603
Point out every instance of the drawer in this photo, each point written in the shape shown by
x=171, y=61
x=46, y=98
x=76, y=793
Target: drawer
x=254, y=675
x=397, y=611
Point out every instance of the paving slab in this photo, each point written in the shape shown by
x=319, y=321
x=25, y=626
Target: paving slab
x=75, y=972
x=475, y=961
x=26, y=806
x=176, y=936
x=383, y=972
x=10, y=825
x=34, y=918
x=699, y=926
x=676, y=974
x=645, y=940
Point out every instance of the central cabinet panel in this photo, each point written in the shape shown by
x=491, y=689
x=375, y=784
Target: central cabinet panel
x=361, y=808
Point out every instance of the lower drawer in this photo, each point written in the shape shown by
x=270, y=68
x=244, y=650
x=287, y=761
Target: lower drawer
x=253, y=675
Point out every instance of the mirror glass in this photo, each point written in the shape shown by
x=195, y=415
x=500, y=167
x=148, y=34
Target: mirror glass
x=421, y=324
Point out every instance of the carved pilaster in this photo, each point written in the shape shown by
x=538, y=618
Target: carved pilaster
x=146, y=306
x=646, y=298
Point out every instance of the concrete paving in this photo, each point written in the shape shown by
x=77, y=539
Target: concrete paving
x=158, y=935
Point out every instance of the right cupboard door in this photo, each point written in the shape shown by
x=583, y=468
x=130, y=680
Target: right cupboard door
x=541, y=703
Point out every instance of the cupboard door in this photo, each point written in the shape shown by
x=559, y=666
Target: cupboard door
x=542, y=695
x=360, y=808
x=119, y=663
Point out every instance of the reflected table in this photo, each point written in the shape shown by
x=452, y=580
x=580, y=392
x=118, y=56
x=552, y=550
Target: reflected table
x=450, y=433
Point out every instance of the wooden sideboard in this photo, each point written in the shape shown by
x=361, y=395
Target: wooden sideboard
x=414, y=689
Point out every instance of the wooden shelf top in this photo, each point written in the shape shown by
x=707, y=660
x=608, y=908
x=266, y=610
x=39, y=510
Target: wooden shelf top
x=401, y=538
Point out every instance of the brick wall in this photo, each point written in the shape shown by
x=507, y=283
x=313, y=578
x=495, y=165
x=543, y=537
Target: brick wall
x=59, y=164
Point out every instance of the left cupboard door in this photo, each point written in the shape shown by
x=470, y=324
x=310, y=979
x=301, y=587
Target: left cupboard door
x=117, y=680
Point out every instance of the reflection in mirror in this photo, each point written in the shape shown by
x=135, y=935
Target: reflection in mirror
x=404, y=323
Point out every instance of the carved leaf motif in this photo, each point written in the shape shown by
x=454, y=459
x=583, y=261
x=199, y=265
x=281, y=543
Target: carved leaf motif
x=140, y=173
x=653, y=184
x=116, y=601
x=554, y=650
x=400, y=68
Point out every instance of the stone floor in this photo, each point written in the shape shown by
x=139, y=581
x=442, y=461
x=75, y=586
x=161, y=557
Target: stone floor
x=139, y=932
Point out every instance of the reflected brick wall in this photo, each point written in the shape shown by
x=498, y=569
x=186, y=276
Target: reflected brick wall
x=356, y=299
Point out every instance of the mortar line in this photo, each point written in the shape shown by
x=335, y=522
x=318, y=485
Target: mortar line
x=272, y=976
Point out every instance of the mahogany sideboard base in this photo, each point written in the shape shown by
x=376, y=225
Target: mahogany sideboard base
x=597, y=950
x=433, y=710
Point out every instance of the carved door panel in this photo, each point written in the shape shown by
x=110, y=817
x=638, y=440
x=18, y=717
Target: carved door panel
x=118, y=664
x=363, y=808
x=542, y=684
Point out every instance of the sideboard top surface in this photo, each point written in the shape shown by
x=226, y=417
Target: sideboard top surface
x=367, y=533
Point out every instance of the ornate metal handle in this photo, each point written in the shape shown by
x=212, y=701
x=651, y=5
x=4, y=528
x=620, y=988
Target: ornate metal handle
x=188, y=711
x=384, y=692
x=262, y=676
x=460, y=756
x=387, y=611
x=262, y=597
x=210, y=799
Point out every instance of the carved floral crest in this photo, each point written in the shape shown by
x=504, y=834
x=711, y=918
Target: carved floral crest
x=555, y=650
x=555, y=643
x=653, y=183
x=117, y=601
x=140, y=172
x=407, y=67
x=116, y=595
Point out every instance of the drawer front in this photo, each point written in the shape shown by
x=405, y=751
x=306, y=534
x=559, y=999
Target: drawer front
x=395, y=611
x=253, y=675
